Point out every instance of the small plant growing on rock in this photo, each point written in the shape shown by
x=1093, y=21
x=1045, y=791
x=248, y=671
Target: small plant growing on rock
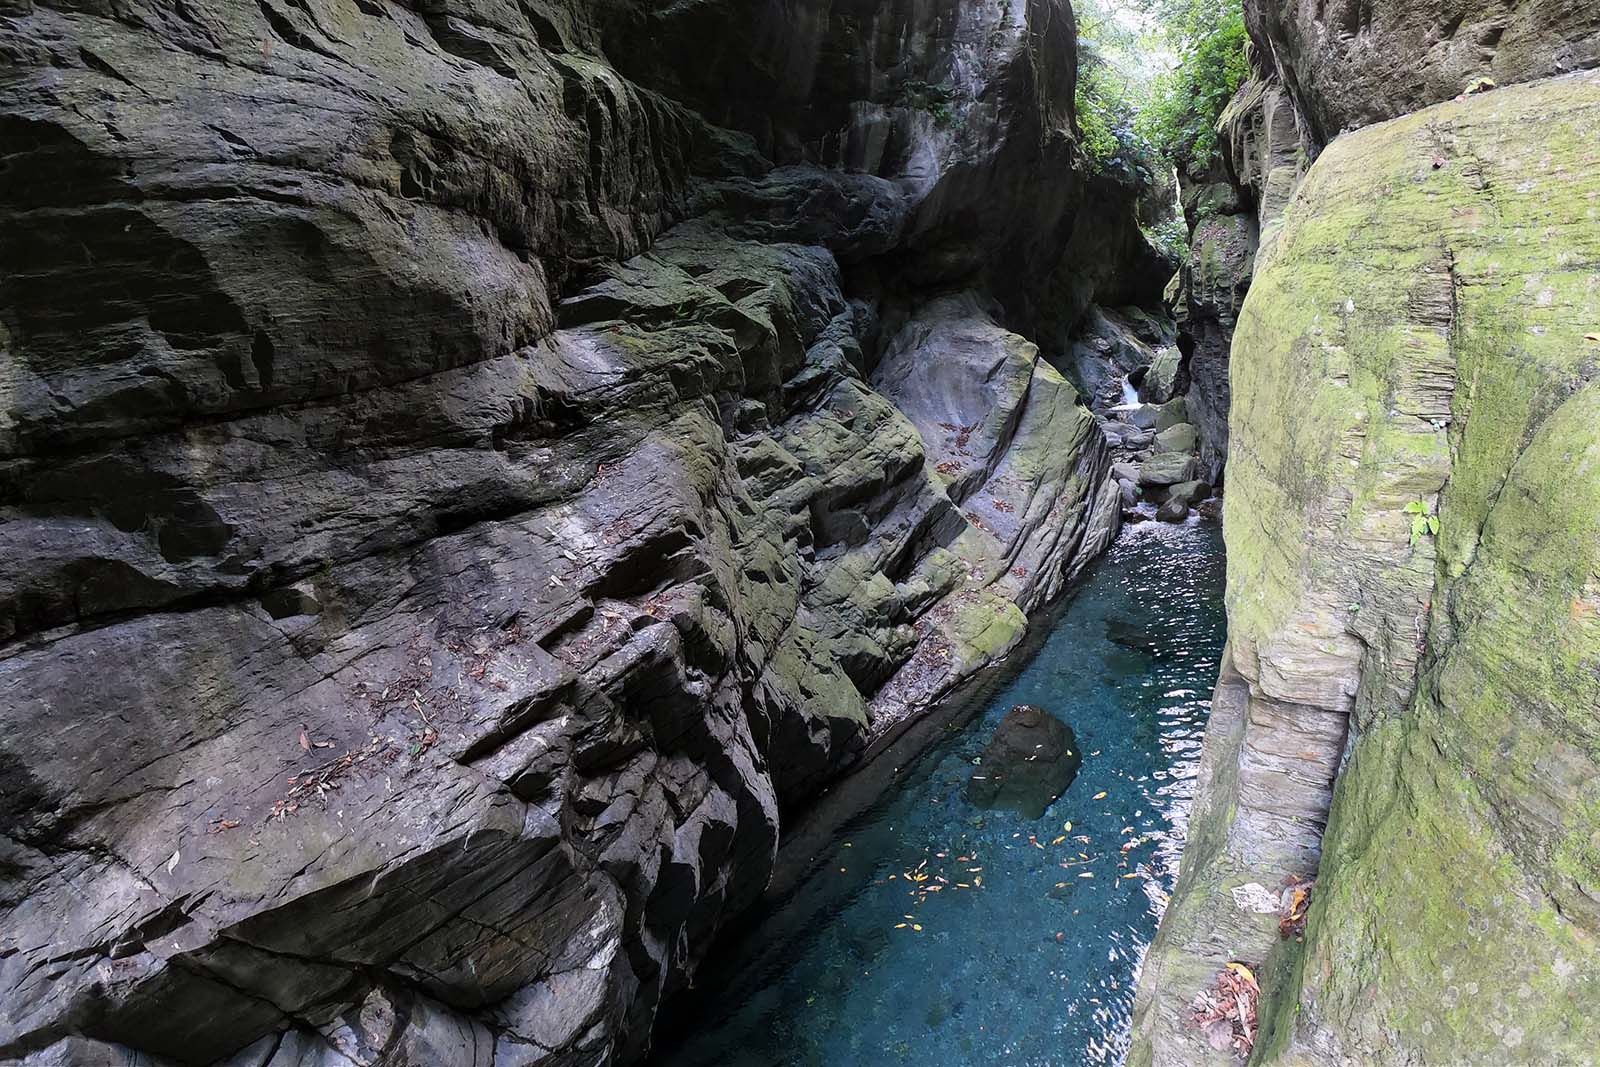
x=1423, y=522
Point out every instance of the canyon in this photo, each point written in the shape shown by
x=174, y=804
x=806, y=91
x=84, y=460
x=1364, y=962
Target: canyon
x=474, y=473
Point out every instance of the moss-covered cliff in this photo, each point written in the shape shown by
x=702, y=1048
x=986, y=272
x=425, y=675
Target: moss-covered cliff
x=1423, y=338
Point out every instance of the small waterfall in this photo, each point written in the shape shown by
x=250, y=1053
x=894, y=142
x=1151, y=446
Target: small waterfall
x=1130, y=395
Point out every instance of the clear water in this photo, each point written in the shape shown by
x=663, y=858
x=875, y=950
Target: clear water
x=1037, y=964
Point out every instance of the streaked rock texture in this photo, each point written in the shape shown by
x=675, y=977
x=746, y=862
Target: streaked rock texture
x=457, y=500
x=1421, y=335
x=1349, y=63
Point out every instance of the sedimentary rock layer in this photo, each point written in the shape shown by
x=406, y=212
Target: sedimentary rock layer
x=457, y=500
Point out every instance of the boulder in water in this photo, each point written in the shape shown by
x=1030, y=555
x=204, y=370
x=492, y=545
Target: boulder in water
x=1167, y=468
x=1031, y=760
x=1190, y=493
x=1172, y=511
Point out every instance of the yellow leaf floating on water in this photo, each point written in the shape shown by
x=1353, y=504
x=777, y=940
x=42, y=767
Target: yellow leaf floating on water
x=899, y=926
x=1100, y=795
x=917, y=927
x=1060, y=839
x=1067, y=826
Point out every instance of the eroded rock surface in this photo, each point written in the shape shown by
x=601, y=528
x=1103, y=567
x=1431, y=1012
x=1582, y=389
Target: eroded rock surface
x=457, y=499
x=1410, y=718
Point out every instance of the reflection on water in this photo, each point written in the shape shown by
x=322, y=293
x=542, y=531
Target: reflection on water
x=940, y=933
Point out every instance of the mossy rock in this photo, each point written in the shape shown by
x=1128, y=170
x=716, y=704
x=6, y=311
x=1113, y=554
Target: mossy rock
x=1417, y=340
x=1167, y=468
x=1180, y=438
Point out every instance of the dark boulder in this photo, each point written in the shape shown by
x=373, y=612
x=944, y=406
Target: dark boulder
x=1172, y=511
x=1031, y=760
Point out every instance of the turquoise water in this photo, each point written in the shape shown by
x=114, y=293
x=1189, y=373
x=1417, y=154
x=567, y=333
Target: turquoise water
x=1028, y=952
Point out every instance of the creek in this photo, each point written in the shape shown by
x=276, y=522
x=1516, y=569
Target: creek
x=933, y=931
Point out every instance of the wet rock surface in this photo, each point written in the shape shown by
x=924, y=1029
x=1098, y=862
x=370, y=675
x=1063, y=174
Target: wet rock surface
x=455, y=503
x=1031, y=760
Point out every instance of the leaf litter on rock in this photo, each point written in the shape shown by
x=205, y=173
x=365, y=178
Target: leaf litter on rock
x=1226, y=1013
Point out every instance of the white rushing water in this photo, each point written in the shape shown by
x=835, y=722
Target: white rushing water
x=1130, y=395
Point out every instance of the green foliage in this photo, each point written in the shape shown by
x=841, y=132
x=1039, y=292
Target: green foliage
x=936, y=100
x=1209, y=39
x=1170, y=237
x=1114, y=77
x=1423, y=523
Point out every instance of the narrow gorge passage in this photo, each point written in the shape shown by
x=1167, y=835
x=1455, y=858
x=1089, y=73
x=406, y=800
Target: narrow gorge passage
x=1027, y=953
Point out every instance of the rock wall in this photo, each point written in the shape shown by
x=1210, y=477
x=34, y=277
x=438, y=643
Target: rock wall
x=458, y=499
x=1411, y=713
x=1348, y=63
x=1320, y=68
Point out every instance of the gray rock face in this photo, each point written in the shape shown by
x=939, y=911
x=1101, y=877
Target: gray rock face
x=1350, y=63
x=453, y=506
x=1377, y=678
x=1108, y=347
x=1167, y=377
x=1212, y=289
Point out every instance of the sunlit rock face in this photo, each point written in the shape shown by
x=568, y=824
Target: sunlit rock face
x=467, y=478
x=1322, y=68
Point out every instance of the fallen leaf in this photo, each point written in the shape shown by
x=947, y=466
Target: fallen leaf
x=305, y=742
x=1244, y=972
x=173, y=862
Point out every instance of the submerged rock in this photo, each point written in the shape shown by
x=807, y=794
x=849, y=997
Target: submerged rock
x=1031, y=760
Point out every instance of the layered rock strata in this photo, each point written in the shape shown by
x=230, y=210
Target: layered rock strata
x=457, y=500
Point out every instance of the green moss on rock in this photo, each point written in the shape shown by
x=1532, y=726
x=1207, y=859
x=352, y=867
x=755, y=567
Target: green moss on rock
x=1417, y=334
